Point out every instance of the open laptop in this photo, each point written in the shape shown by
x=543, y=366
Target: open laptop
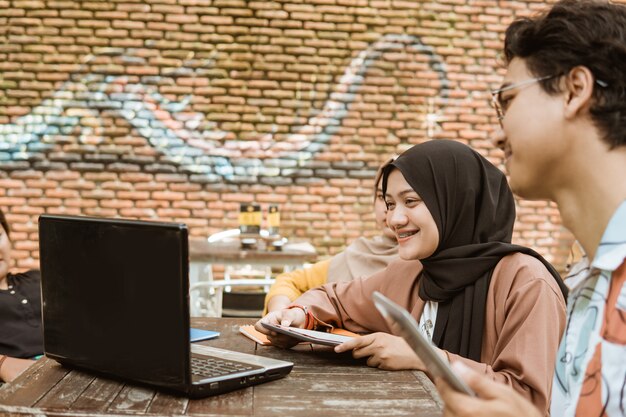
x=116, y=302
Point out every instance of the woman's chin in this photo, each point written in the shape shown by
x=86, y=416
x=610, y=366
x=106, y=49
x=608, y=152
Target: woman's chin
x=408, y=254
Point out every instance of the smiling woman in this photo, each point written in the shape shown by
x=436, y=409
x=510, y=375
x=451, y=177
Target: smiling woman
x=21, y=336
x=409, y=218
x=494, y=306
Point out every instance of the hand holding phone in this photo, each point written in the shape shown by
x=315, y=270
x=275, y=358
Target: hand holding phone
x=403, y=324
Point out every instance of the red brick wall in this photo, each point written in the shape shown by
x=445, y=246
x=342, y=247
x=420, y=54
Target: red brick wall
x=183, y=109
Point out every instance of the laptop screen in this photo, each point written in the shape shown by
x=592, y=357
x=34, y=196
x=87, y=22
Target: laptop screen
x=115, y=296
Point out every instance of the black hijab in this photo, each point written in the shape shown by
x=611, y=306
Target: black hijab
x=473, y=207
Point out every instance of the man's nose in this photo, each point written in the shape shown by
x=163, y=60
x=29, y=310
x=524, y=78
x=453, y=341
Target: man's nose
x=499, y=138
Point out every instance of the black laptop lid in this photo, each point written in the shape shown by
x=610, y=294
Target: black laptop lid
x=115, y=297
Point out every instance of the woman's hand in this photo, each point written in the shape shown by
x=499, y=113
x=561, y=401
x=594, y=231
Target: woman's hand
x=278, y=302
x=293, y=317
x=13, y=367
x=385, y=351
x=494, y=399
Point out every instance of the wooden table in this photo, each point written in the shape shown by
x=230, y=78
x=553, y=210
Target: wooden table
x=294, y=254
x=321, y=383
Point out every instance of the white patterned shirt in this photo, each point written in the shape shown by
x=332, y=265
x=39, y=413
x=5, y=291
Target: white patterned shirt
x=590, y=375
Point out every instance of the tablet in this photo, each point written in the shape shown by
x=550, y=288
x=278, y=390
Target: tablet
x=403, y=324
x=311, y=336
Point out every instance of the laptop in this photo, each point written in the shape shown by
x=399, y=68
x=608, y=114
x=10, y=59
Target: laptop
x=116, y=302
x=401, y=323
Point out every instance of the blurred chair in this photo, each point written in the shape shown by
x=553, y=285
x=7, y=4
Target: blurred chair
x=245, y=299
x=241, y=292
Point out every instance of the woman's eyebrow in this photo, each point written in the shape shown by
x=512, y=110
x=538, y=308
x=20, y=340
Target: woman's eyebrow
x=403, y=192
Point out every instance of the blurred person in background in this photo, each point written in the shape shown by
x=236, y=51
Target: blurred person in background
x=21, y=337
x=361, y=258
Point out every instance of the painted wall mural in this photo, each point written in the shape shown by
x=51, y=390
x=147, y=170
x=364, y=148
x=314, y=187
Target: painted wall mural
x=185, y=138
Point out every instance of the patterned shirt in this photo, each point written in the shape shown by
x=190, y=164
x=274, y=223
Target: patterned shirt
x=590, y=375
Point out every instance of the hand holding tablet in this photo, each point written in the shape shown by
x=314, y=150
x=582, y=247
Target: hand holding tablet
x=311, y=336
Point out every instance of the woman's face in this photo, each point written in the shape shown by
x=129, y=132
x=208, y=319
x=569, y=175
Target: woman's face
x=380, y=209
x=412, y=223
x=5, y=253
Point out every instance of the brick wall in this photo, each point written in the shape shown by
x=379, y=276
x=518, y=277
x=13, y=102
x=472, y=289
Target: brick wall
x=183, y=109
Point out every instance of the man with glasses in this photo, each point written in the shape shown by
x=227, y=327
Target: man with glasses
x=562, y=111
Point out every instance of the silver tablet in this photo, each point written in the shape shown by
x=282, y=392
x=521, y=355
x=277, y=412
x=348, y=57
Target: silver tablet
x=401, y=323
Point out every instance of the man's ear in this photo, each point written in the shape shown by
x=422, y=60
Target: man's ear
x=579, y=84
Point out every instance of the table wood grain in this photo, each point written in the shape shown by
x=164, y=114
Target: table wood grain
x=200, y=250
x=322, y=383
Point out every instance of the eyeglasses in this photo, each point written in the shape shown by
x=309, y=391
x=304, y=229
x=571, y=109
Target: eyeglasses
x=496, y=95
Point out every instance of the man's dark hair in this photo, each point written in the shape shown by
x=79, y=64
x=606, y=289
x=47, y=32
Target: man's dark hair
x=579, y=33
x=4, y=223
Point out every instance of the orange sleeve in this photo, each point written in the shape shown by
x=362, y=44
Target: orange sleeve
x=295, y=283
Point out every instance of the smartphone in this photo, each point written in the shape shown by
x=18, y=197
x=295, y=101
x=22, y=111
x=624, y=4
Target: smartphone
x=401, y=323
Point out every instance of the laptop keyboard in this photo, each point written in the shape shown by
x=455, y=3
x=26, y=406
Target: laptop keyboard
x=207, y=367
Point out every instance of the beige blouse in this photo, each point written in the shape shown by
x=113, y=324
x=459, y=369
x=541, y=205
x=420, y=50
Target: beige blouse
x=524, y=318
